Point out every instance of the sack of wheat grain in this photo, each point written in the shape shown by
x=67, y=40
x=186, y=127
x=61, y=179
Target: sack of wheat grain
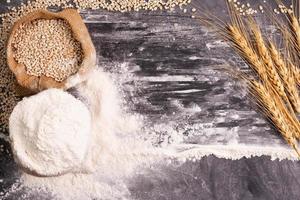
x=50, y=50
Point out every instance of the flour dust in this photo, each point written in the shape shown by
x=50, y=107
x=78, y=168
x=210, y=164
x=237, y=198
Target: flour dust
x=125, y=143
x=114, y=154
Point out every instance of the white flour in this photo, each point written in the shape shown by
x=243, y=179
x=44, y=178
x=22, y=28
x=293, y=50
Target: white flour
x=50, y=132
x=195, y=152
x=114, y=152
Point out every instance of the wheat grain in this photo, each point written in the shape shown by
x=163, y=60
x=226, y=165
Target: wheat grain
x=47, y=47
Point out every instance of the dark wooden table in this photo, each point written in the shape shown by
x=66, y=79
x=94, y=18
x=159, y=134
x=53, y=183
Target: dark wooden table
x=167, y=69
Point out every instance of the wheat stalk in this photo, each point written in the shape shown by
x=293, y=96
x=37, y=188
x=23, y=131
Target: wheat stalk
x=270, y=67
x=263, y=65
x=274, y=109
x=274, y=89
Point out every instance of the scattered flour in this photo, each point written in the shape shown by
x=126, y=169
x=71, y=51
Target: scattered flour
x=117, y=152
x=234, y=152
x=114, y=153
x=50, y=132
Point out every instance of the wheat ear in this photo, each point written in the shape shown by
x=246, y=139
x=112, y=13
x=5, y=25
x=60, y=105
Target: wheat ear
x=295, y=27
x=287, y=77
x=241, y=44
x=296, y=73
x=273, y=76
x=275, y=81
x=273, y=108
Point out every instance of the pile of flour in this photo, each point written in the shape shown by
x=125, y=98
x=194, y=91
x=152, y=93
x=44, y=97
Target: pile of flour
x=50, y=133
x=114, y=153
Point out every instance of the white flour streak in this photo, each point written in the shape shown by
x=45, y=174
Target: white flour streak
x=187, y=91
x=216, y=44
x=165, y=78
x=233, y=152
x=195, y=58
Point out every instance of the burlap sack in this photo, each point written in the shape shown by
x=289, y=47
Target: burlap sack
x=35, y=84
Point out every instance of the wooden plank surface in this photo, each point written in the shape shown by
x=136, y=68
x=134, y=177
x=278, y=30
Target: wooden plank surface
x=166, y=67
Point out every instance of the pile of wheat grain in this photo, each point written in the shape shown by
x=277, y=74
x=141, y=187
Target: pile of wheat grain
x=47, y=47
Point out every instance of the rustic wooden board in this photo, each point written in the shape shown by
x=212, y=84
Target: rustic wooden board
x=168, y=68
